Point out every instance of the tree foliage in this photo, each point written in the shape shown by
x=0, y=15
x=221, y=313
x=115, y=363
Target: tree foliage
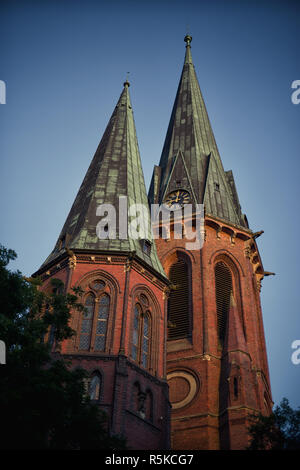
x=43, y=404
x=278, y=431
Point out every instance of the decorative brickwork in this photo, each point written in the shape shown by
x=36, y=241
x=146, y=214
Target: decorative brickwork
x=157, y=313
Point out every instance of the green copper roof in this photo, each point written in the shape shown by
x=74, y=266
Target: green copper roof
x=114, y=171
x=190, y=158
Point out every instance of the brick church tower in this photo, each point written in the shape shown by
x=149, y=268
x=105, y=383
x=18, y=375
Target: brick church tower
x=121, y=336
x=164, y=321
x=216, y=355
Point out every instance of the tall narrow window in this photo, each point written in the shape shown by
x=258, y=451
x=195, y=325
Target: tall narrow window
x=149, y=405
x=135, y=332
x=145, y=341
x=179, y=301
x=101, y=328
x=141, y=331
x=136, y=397
x=235, y=387
x=223, y=290
x=95, y=387
x=86, y=324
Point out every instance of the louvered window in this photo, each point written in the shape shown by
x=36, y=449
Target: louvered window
x=179, y=301
x=141, y=331
x=223, y=290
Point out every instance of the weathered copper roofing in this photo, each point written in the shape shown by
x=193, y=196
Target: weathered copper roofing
x=114, y=171
x=190, y=158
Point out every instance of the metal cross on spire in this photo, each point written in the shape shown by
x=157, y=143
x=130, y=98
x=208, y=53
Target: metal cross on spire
x=126, y=83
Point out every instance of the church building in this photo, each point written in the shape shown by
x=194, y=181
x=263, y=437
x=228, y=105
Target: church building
x=172, y=338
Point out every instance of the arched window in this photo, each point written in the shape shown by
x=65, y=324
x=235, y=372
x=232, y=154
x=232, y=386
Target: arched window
x=223, y=280
x=142, y=403
x=141, y=334
x=95, y=387
x=86, y=324
x=145, y=340
x=135, y=332
x=102, y=319
x=136, y=397
x=179, y=301
x=149, y=405
x=94, y=320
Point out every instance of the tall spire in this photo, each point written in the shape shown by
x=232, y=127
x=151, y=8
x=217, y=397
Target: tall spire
x=188, y=54
x=114, y=171
x=199, y=169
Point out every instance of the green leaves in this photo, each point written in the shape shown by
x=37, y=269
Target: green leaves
x=42, y=400
x=278, y=431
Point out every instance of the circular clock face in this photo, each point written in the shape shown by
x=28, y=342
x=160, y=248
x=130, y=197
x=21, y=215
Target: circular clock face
x=176, y=199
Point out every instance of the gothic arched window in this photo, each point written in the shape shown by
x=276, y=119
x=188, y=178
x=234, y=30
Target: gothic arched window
x=223, y=280
x=95, y=387
x=179, y=301
x=141, y=331
x=101, y=329
x=94, y=320
x=136, y=397
x=87, y=322
x=149, y=405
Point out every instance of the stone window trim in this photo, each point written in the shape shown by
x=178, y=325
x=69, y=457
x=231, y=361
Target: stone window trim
x=87, y=384
x=144, y=315
x=98, y=294
x=97, y=300
x=97, y=396
x=112, y=288
x=137, y=296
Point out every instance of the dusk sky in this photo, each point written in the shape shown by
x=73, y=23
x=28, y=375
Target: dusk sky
x=64, y=63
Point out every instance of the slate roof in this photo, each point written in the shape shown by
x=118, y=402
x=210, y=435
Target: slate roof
x=190, y=158
x=114, y=171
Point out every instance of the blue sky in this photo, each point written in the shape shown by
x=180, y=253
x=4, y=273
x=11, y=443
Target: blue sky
x=64, y=63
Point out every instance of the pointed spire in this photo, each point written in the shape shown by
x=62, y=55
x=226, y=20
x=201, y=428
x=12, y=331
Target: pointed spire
x=115, y=171
x=126, y=83
x=190, y=132
x=188, y=55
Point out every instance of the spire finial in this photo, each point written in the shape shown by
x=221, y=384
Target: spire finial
x=126, y=83
x=188, y=40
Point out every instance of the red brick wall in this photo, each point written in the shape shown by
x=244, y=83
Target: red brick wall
x=195, y=425
x=119, y=373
